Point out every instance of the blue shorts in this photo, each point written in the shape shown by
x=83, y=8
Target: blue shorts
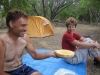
x=24, y=70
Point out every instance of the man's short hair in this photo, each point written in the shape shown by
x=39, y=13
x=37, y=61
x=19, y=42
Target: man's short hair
x=71, y=21
x=15, y=14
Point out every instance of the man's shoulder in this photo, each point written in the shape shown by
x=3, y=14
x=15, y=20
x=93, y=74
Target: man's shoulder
x=76, y=34
x=25, y=37
x=4, y=35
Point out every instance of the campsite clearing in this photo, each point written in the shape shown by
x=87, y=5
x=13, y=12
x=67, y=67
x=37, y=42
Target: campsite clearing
x=54, y=42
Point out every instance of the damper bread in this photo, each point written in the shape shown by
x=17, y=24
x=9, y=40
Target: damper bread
x=64, y=53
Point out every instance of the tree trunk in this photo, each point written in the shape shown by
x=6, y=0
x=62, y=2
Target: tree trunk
x=90, y=13
x=43, y=8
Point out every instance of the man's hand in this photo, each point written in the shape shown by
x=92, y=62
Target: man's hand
x=52, y=54
x=97, y=45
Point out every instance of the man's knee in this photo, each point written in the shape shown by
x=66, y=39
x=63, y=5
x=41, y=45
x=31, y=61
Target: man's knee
x=88, y=40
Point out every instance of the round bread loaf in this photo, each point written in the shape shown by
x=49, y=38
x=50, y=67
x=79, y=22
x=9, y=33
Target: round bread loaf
x=65, y=53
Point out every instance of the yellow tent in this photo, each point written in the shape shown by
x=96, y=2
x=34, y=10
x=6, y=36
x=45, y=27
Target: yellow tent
x=39, y=26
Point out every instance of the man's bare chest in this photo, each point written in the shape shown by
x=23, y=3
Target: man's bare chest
x=13, y=50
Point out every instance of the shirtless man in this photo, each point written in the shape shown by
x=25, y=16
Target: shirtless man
x=13, y=43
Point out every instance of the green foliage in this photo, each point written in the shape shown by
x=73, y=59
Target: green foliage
x=14, y=4
x=58, y=9
x=62, y=15
x=68, y=12
x=87, y=6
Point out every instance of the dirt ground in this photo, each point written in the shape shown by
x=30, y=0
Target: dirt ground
x=54, y=42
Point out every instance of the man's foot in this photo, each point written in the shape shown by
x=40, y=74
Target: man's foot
x=99, y=46
x=96, y=62
x=95, y=50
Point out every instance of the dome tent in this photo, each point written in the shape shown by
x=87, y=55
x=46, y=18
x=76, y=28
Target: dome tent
x=39, y=26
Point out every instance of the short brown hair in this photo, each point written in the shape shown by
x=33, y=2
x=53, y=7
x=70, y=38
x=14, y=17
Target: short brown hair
x=15, y=14
x=70, y=21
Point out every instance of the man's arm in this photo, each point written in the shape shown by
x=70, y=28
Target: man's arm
x=34, y=54
x=85, y=45
x=2, y=53
x=82, y=38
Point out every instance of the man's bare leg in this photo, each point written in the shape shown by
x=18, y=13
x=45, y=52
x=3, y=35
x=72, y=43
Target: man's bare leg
x=36, y=73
